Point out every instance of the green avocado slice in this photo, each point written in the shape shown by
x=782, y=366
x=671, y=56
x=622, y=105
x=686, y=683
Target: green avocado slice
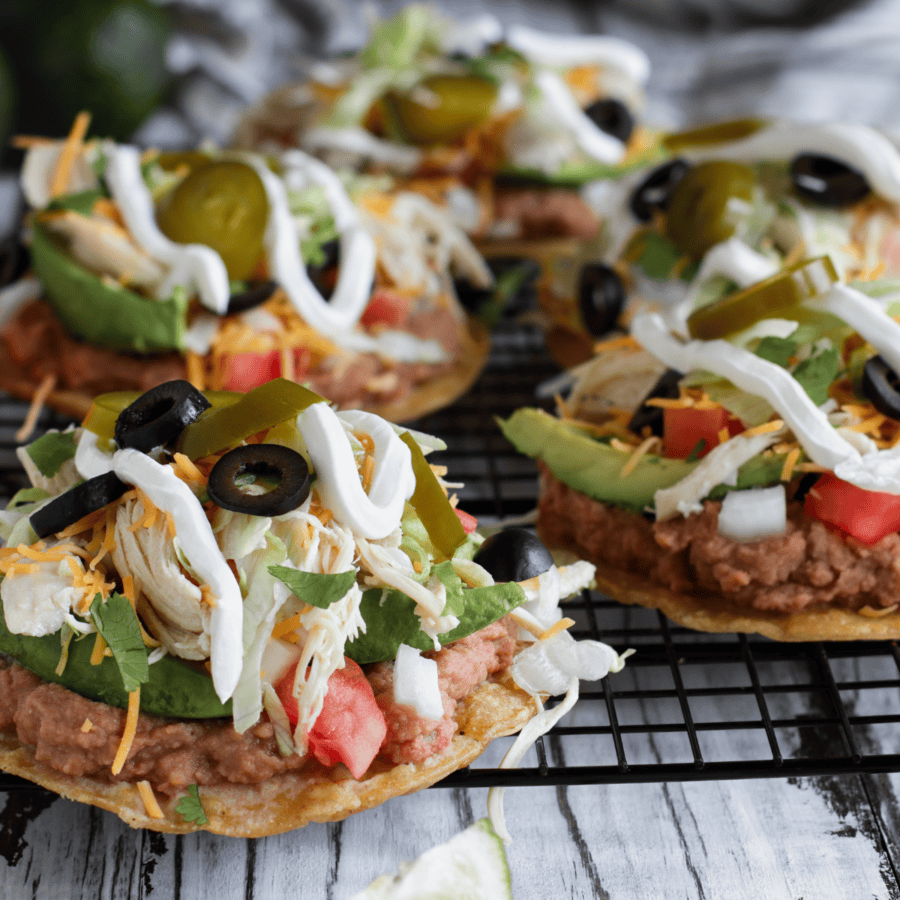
x=392, y=621
x=105, y=314
x=174, y=688
x=595, y=469
x=588, y=466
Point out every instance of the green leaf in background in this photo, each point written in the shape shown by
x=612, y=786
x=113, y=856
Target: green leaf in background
x=51, y=450
x=777, y=350
x=190, y=808
x=314, y=588
x=817, y=373
x=117, y=621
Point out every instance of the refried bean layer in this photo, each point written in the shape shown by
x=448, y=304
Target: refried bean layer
x=80, y=737
x=809, y=565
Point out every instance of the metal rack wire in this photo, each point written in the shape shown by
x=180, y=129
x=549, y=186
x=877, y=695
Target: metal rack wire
x=688, y=706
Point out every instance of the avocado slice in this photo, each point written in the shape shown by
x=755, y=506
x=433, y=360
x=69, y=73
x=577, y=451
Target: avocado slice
x=105, y=314
x=587, y=465
x=595, y=469
x=175, y=688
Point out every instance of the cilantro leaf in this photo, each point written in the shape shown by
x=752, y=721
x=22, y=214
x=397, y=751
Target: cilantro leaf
x=190, y=808
x=776, y=350
x=49, y=452
x=314, y=588
x=816, y=374
x=27, y=496
x=117, y=621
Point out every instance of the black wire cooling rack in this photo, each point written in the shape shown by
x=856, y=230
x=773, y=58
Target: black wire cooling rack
x=688, y=706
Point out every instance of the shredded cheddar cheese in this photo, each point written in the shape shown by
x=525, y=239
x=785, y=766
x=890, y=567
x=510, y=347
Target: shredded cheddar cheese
x=87, y=726
x=790, y=463
x=871, y=613
x=288, y=626
x=765, y=428
x=149, y=799
x=69, y=153
x=44, y=389
x=559, y=626
x=98, y=651
x=644, y=448
x=131, y=721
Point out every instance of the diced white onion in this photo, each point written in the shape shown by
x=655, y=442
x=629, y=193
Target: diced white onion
x=416, y=683
x=753, y=514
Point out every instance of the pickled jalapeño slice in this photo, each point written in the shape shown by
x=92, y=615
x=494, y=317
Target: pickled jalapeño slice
x=771, y=298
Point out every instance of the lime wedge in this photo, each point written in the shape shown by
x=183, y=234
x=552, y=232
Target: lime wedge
x=470, y=866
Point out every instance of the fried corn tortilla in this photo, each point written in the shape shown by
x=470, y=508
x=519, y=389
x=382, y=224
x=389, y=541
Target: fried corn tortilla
x=314, y=794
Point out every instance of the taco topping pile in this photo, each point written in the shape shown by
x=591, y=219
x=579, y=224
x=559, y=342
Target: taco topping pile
x=761, y=468
x=230, y=269
x=218, y=590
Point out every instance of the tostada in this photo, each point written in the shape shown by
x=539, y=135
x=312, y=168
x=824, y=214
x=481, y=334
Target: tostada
x=495, y=123
x=739, y=467
x=732, y=204
x=246, y=612
x=230, y=269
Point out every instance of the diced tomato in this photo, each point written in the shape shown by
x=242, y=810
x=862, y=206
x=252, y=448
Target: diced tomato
x=350, y=727
x=245, y=371
x=866, y=515
x=685, y=426
x=385, y=308
x=469, y=523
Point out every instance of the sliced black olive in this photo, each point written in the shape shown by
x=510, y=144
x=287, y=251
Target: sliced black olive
x=14, y=261
x=611, y=116
x=881, y=386
x=324, y=274
x=158, y=416
x=601, y=297
x=828, y=181
x=76, y=503
x=255, y=295
x=262, y=460
x=652, y=416
x=654, y=191
x=514, y=554
x=514, y=289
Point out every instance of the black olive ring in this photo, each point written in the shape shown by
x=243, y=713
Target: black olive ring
x=601, y=297
x=513, y=554
x=76, y=503
x=828, y=181
x=612, y=117
x=266, y=460
x=158, y=416
x=881, y=386
x=254, y=296
x=655, y=191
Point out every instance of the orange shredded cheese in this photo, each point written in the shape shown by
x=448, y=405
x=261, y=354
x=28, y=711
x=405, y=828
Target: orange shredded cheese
x=67, y=156
x=43, y=391
x=790, y=463
x=184, y=465
x=196, y=373
x=871, y=613
x=670, y=402
x=150, y=802
x=131, y=721
x=368, y=470
x=559, y=626
x=642, y=450
x=86, y=726
x=99, y=648
x=723, y=435
x=616, y=343
x=282, y=629
x=208, y=597
x=765, y=428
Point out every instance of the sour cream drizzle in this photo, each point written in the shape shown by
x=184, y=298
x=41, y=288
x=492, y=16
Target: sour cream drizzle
x=563, y=106
x=754, y=375
x=357, y=268
x=562, y=51
x=376, y=514
x=857, y=145
x=192, y=265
